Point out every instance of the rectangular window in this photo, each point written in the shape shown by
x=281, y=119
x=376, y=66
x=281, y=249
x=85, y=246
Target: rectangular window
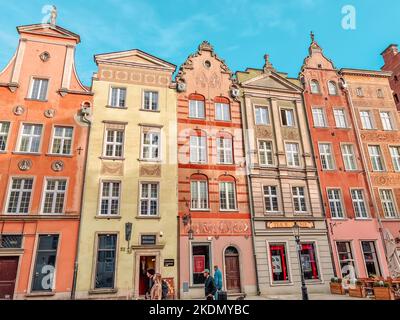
x=224, y=150
x=386, y=121
x=10, y=241
x=389, y=207
x=114, y=143
x=199, y=195
x=376, y=158
x=309, y=261
x=395, y=153
x=110, y=198
x=340, y=118
x=149, y=199
x=19, y=196
x=151, y=145
x=292, y=154
x=150, y=101
x=222, y=112
x=366, y=120
x=30, y=138
x=201, y=260
x=287, y=117
x=45, y=264
x=54, y=196
x=279, y=262
x=266, y=153
x=359, y=205
x=39, y=89
x=62, y=140
x=271, y=199
x=325, y=153
x=198, y=149
x=118, y=97
x=227, y=196
x=105, y=262
x=4, y=129
x=371, y=259
x=349, y=158
x=196, y=109
x=319, y=117
x=335, y=203
x=148, y=240
x=346, y=260
x=262, y=116
x=299, y=199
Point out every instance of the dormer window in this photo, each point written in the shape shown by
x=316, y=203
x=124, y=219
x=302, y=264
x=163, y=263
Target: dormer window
x=315, y=87
x=332, y=88
x=39, y=89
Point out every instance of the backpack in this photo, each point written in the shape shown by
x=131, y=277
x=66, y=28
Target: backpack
x=165, y=290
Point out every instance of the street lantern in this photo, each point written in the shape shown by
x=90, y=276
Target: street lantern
x=296, y=233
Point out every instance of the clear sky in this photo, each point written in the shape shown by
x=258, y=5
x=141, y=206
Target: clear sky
x=242, y=31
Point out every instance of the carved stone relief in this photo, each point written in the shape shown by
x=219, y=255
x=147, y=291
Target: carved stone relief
x=264, y=132
x=150, y=171
x=112, y=169
x=290, y=134
x=224, y=227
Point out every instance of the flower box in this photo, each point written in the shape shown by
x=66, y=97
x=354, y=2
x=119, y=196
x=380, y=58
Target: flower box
x=337, y=288
x=383, y=293
x=357, y=292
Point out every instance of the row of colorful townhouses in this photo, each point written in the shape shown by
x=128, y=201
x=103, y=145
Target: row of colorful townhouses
x=181, y=172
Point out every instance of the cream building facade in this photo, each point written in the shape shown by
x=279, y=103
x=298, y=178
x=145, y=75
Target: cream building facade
x=129, y=219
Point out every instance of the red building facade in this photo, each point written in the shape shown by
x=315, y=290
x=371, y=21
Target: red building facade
x=391, y=58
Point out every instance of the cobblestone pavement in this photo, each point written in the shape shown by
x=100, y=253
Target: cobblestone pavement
x=298, y=297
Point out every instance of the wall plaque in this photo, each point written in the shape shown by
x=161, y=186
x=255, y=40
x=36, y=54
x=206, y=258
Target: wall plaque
x=290, y=224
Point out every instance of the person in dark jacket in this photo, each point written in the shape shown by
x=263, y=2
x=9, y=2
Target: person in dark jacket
x=209, y=285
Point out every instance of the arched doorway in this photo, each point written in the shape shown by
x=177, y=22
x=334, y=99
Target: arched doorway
x=232, y=270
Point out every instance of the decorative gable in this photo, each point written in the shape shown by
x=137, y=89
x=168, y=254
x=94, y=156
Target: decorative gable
x=48, y=30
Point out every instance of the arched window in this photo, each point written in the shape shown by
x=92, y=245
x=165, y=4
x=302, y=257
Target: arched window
x=227, y=193
x=222, y=109
x=199, y=192
x=197, y=106
x=332, y=88
x=315, y=87
x=224, y=148
x=231, y=251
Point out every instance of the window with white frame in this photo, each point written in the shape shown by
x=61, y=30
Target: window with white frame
x=198, y=149
x=227, y=196
x=149, y=199
x=4, y=130
x=39, y=89
x=287, y=116
x=340, y=118
x=150, y=101
x=262, y=116
x=292, y=154
x=389, y=207
x=349, y=157
x=54, y=196
x=332, y=88
x=299, y=199
x=325, y=153
x=386, y=121
x=222, y=112
x=376, y=158
x=30, y=138
x=151, y=145
x=114, y=143
x=110, y=198
x=118, y=97
x=224, y=150
x=366, y=120
x=360, y=208
x=395, y=153
x=314, y=84
x=196, y=109
x=335, y=203
x=319, y=117
x=62, y=140
x=265, y=150
x=271, y=198
x=199, y=195
x=19, y=197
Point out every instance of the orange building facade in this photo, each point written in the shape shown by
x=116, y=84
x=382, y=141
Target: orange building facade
x=42, y=159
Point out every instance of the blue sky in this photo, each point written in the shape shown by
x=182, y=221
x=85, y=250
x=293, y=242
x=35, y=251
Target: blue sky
x=242, y=31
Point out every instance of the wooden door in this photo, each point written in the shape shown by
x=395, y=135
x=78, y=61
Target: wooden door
x=232, y=269
x=8, y=276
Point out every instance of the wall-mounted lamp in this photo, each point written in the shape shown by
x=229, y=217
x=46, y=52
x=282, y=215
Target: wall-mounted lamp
x=128, y=235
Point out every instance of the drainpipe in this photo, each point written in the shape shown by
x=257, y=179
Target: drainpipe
x=178, y=257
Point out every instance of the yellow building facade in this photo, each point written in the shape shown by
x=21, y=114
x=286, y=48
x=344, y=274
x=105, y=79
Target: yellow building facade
x=129, y=217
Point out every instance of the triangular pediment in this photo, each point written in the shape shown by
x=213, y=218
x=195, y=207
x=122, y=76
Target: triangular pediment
x=273, y=81
x=49, y=30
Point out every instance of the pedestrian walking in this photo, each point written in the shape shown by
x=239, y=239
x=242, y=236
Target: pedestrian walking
x=217, y=280
x=209, y=285
x=156, y=290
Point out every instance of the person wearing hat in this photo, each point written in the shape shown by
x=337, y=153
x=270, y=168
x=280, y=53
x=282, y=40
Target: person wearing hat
x=209, y=285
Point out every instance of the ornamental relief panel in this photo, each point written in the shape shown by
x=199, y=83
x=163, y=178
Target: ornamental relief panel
x=219, y=228
x=112, y=168
x=387, y=180
x=380, y=137
x=150, y=171
x=214, y=81
x=290, y=134
x=263, y=132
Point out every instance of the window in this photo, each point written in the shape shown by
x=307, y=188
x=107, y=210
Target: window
x=271, y=199
x=349, y=158
x=19, y=197
x=227, y=196
x=309, y=261
x=224, y=150
x=148, y=240
x=149, y=199
x=54, y=196
x=388, y=204
x=110, y=197
x=319, y=117
x=359, y=92
x=39, y=89
x=386, y=121
x=114, y=144
x=346, y=260
x=196, y=109
x=262, y=116
x=395, y=153
x=360, y=208
x=118, y=98
x=279, y=262
x=266, y=153
x=62, y=140
x=287, y=117
x=332, y=88
x=370, y=259
x=315, y=87
x=30, y=138
x=325, y=153
x=45, y=265
x=366, y=120
x=340, y=118
x=201, y=260
x=199, y=195
x=4, y=129
x=379, y=93
x=222, y=112
x=150, y=100
x=292, y=154
x=335, y=203
x=105, y=262
x=10, y=241
x=151, y=145
x=198, y=149
x=299, y=199
x=376, y=158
